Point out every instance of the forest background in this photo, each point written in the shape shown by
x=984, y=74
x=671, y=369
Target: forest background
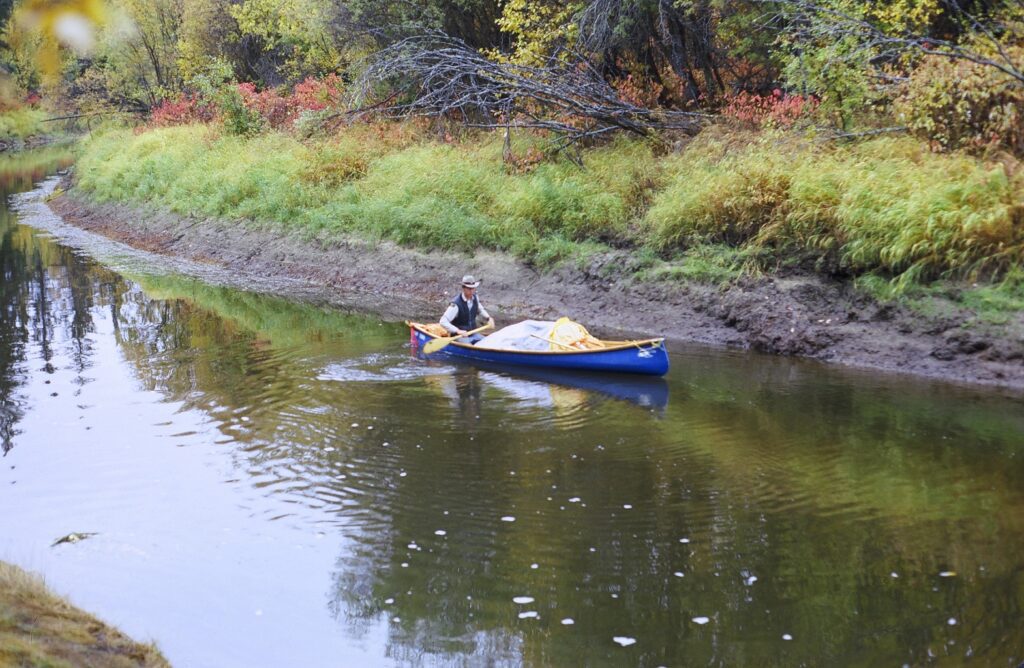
x=872, y=142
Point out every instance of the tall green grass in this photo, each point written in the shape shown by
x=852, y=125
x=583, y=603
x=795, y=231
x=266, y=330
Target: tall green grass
x=998, y=302
x=18, y=124
x=886, y=206
x=419, y=193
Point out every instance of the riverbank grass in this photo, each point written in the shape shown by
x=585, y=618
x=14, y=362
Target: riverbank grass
x=38, y=628
x=20, y=124
x=887, y=207
x=996, y=303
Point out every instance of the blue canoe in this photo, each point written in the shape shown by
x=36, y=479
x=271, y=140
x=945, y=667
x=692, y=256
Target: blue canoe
x=647, y=356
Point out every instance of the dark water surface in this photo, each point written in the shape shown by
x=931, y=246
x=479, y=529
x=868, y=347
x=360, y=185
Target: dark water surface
x=275, y=484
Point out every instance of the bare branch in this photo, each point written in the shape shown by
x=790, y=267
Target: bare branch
x=437, y=75
x=866, y=133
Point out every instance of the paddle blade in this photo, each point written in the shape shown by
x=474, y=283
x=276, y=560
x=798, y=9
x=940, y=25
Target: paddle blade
x=434, y=345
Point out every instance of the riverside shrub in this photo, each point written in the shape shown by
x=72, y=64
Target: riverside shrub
x=961, y=104
x=242, y=108
x=777, y=110
x=182, y=110
x=280, y=112
x=22, y=123
x=884, y=205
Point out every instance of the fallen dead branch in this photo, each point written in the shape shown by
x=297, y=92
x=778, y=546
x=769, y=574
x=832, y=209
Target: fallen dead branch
x=436, y=75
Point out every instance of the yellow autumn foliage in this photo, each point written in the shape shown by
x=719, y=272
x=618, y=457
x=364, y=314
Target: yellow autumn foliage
x=67, y=24
x=538, y=27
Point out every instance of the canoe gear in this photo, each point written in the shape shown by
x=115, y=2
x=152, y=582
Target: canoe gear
x=566, y=333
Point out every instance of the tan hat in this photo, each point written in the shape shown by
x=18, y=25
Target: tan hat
x=470, y=281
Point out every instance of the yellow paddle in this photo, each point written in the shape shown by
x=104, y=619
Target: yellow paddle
x=434, y=345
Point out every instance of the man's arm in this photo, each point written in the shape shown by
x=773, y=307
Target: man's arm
x=446, y=320
x=481, y=311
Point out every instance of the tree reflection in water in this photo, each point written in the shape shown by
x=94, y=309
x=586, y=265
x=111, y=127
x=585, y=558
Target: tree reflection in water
x=29, y=273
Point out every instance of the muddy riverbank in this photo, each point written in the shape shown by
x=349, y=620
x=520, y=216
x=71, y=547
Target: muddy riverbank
x=14, y=144
x=803, y=315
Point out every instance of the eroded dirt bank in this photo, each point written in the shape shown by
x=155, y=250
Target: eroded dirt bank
x=805, y=315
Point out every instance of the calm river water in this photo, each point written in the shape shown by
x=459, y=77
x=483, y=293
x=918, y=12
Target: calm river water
x=277, y=484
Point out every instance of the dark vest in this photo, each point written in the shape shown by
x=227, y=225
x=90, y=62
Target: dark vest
x=466, y=319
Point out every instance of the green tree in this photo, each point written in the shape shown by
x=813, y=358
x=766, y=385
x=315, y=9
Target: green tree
x=136, y=62
x=539, y=28
x=157, y=30
x=853, y=53
x=671, y=43
x=297, y=32
x=384, y=22
x=208, y=31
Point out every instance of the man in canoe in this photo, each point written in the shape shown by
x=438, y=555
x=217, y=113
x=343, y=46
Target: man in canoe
x=465, y=307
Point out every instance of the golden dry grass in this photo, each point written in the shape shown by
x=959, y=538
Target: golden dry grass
x=41, y=629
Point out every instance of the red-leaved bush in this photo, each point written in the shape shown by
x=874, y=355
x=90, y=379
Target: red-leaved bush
x=639, y=91
x=185, y=109
x=276, y=110
x=280, y=112
x=317, y=95
x=775, y=110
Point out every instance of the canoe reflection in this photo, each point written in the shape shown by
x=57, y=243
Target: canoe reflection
x=555, y=388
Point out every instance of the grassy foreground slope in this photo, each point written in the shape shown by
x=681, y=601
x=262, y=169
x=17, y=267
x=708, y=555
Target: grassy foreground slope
x=38, y=628
x=886, y=208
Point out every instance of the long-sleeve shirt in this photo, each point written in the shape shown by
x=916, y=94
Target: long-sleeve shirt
x=452, y=311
